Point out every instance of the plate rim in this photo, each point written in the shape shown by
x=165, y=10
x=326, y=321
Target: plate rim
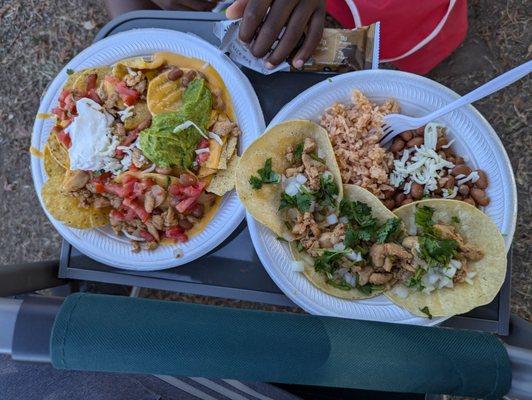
x=37, y=172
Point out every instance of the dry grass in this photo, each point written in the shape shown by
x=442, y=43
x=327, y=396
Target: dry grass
x=38, y=37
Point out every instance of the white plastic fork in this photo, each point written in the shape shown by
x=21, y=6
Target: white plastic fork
x=394, y=124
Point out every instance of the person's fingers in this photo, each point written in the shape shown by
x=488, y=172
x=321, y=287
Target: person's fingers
x=271, y=28
x=294, y=30
x=314, y=33
x=252, y=18
x=236, y=10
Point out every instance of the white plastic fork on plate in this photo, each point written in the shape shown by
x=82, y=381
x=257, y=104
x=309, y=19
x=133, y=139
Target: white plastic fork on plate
x=394, y=124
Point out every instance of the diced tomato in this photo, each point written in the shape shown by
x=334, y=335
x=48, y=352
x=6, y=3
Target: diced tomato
x=140, y=187
x=130, y=137
x=130, y=96
x=185, y=204
x=194, y=190
x=137, y=207
x=130, y=214
x=121, y=191
x=70, y=104
x=102, y=177
x=119, y=154
x=146, y=235
x=64, y=94
x=91, y=94
x=202, y=157
x=64, y=138
x=91, y=82
x=98, y=187
x=177, y=234
x=112, y=79
x=175, y=189
x=119, y=215
x=203, y=143
x=59, y=112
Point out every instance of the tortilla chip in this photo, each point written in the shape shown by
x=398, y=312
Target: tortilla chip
x=476, y=228
x=163, y=94
x=224, y=180
x=72, y=79
x=80, y=83
x=140, y=114
x=58, y=150
x=263, y=204
x=99, y=217
x=51, y=166
x=144, y=62
x=228, y=151
x=63, y=207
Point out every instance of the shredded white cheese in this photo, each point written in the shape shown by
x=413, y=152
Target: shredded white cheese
x=218, y=139
x=188, y=124
x=125, y=113
x=473, y=177
x=203, y=150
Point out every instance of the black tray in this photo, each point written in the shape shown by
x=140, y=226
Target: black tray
x=233, y=270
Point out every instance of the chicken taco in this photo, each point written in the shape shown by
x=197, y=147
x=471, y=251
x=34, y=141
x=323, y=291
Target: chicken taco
x=148, y=144
x=458, y=259
x=288, y=180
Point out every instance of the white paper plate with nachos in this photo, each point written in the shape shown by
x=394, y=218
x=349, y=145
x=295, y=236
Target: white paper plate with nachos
x=475, y=140
x=110, y=153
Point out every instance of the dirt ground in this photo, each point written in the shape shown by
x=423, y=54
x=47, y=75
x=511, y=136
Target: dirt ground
x=37, y=38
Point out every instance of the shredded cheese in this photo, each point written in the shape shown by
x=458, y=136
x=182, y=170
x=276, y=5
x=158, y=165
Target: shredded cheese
x=217, y=138
x=125, y=113
x=188, y=124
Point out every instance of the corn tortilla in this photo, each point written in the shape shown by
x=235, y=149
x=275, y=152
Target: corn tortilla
x=224, y=180
x=263, y=204
x=476, y=228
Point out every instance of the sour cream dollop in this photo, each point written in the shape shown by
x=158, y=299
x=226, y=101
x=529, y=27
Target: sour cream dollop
x=93, y=144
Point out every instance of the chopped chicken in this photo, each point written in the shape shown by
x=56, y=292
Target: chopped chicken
x=75, y=180
x=313, y=170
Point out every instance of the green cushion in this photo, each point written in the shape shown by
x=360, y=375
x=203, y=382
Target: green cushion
x=122, y=334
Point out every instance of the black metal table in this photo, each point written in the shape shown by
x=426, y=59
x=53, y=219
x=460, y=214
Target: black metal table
x=233, y=270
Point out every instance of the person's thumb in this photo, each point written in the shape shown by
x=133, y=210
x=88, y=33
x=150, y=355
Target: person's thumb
x=236, y=10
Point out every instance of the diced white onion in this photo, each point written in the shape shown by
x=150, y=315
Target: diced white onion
x=343, y=220
x=132, y=237
x=400, y=291
x=339, y=246
x=320, y=152
x=292, y=189
x=455, y=264
x=469, y=277
x=297, y=266
x=350, y=279
x=354, y=256
x=332, y=219
x=301, y=179
x=202, y=150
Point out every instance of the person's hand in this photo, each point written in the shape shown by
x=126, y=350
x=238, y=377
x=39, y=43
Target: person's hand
x=192, y=5
x=263, y=27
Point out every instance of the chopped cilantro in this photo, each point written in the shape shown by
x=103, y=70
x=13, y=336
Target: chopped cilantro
x=388, y=230
x=425, y=310
x=301, y=201
x=298, y=151
x=368, y=288
x=353, y=237
x=455, y=219
x=327, y=262
x=281, y=239
x=255, y=182
x=358, y=212
x=299, y=246
x=339, y=284
x=423, y=218
x=314, y=156
x=328, y=191
x=266, y=175
x=69, y=71
x=415, y=281
x=437, y=252
x=329, y=80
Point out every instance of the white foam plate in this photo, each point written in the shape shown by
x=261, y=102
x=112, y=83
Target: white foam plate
x=475, y=140
x=102, y=244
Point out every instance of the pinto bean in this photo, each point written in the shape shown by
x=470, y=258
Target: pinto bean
x=480, y=196
x=461, y=169
x=187, y=179
x=482, y=182
x=416, y=191
x=399, y=197
x=398, y=144
x=419, y=131
x=463, y=189
x=447, y=182
x=469, y=200
x=406, y=135
x=175, y=73
x=459, y=160
x=442, y=141
x=390, y=203
x=417, y=141
x=198, y=210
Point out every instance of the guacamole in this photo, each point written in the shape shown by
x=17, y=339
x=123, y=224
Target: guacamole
x=165, y=148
